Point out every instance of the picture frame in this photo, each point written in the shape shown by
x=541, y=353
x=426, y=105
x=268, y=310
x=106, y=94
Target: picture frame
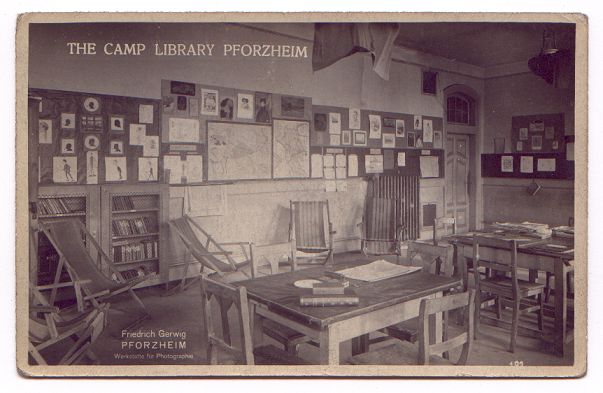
x=68, y=146
x=117, y=123
x=360, y=138
x=245, y=106
x=209, y=102
x=346, y=137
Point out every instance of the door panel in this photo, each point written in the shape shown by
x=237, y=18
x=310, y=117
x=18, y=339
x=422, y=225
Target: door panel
x=457, y=180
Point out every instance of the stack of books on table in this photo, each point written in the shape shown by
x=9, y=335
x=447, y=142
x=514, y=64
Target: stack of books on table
x=330, y=293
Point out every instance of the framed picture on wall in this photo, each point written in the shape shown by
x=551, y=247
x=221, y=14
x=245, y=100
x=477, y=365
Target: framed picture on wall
x=359, y=138
x=117, y=123
x=209, y=102
x=245, y=106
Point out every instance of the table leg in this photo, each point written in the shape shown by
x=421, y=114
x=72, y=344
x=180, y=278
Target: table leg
x=329, y=348
x=360, y=344
x=560, y=305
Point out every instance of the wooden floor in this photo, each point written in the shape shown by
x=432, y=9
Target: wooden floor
x=181, y=313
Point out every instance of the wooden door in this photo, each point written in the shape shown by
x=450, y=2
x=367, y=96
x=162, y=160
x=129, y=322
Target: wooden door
x=457, y=180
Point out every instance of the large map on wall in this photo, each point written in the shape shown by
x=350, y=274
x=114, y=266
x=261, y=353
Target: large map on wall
x=291, y=149
x=238, y=151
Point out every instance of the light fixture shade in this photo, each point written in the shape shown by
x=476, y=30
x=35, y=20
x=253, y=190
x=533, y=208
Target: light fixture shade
x=549, y=44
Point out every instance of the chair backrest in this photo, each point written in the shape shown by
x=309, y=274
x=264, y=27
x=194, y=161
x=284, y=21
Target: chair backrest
x=66, y=238
x=226, y=296
x=435, y=259
x=202, y=245
x=444, y=304
x=310, y=225
x=444, y=223
x=380, y=228
x=505, y=262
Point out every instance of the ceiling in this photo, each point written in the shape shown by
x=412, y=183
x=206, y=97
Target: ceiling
x=483, y=44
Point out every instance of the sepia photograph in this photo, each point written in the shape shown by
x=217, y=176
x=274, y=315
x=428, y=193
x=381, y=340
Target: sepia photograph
x=255, y=214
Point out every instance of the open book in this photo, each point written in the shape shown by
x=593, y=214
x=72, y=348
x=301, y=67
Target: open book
x=376, y=271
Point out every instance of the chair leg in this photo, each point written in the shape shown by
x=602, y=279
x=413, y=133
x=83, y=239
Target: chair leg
x=514, y=325
x=478, y=304
x=540, y=312
x=498, y=305
x=291, y=349
x=547, y=287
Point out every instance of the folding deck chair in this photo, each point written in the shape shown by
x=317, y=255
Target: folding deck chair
x=48, y=329
x=380, y=233
x=209, y=253
x=94, y=281
x=310, y=233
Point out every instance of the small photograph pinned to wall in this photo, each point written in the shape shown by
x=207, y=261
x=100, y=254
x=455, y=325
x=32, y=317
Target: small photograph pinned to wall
x=438, y=141
x=263, y=107
x=68, y=121
x=150, y=146
x=193, y=107
x=91, y=123
x=359, y=138
x=519, y=146
x=181, y=103
x=536, y=126
x=418, y=122
x=419, y=142
x=375, y=126
x=293, y=106
x=346, y=137
x=64, y=169
x=147, y=169
x=209, y=102
x=388, y=122
x=354, y=118
x=45, y=131
x=227, y=108
x=138, y=133
x=116, y=148
x=334, y=140
x=68, y=146
x=334, y=123
x=91, y=142
x=116, y=169
x=400, y=128
x=427, y=131
x=245, y=106
x=91, y=104
x=145, y=113
x=506, y=164
x=549, y=132
x=320, y=122
x=117, y=123
x=523, y=134
x=410, y=139
x=555, y=145
x=168, y=103
x=536, y=142
x=389, y=140
x=91, y=167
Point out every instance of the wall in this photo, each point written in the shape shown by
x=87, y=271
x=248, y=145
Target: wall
x=507, y=199
x=256, y=210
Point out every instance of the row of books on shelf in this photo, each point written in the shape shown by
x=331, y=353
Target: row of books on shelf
x=123, y=203
x=48, y=206
x=135, y=251
x=133, y=226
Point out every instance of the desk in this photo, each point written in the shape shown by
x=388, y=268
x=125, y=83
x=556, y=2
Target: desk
x=533, y=254
x=383, y=303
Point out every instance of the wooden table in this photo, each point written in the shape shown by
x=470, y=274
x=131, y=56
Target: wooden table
x=536, y=255
x=383, y=303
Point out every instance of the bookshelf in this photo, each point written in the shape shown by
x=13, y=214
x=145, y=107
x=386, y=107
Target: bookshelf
x=59, y=202
x=132, y=228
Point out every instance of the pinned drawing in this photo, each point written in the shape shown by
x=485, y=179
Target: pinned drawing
x=92, y=167
x=209, y=102
x=116, y=169
x=68, y=121
x=44, y=131
x=64, y=169
x=374, y=127
x=147, y=169
x=354, y=118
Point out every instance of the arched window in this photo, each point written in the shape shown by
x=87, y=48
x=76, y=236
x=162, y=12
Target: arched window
x=460, y=109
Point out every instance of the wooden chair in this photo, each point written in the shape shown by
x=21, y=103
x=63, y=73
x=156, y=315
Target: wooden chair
x=503, y=283
x=425, y=353
x=211, y=254
x=380, y=233
x=48, y=329
x=94, y=280
x=444, y=223
x=227, y=296
x=310, y=233
x=433, y=259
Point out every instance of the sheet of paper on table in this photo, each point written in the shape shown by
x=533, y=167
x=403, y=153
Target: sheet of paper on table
x=377, y=271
